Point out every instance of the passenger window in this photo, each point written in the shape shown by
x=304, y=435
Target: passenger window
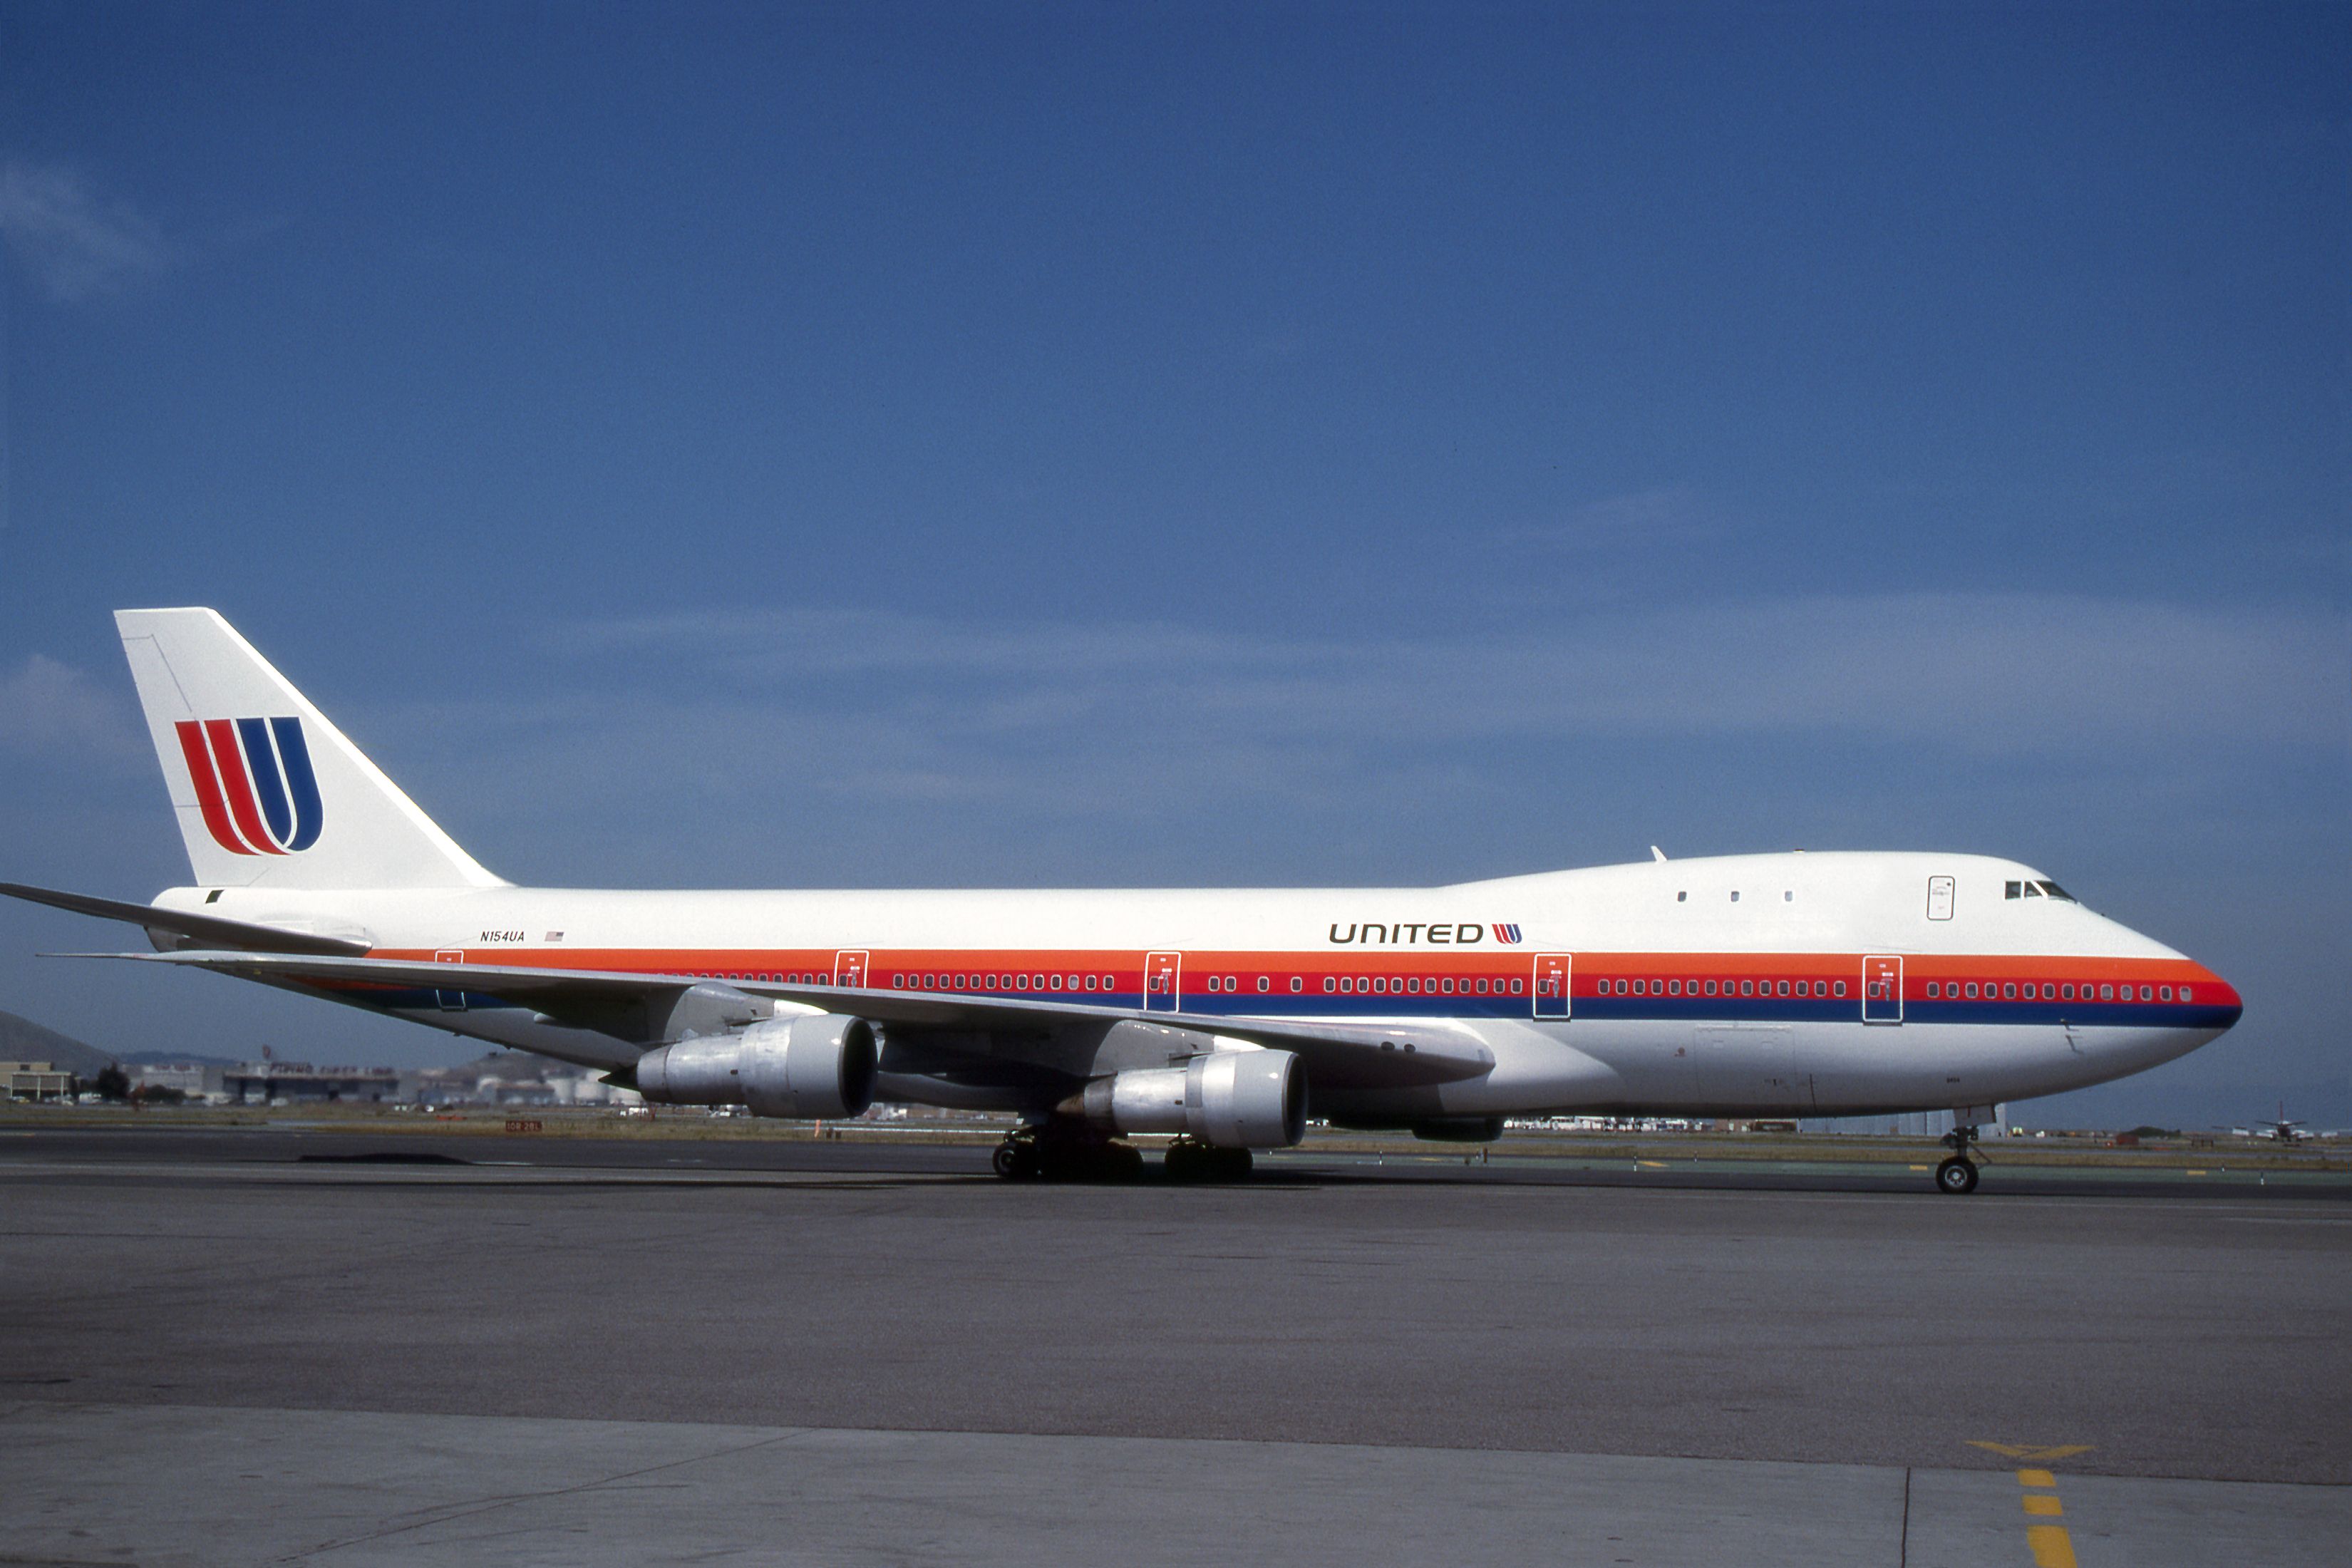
x=1841, y=987
x=1710, y=987
x=1934, y=990
x=1674, y=988
x=2148, y=993
x=2068, y=991
x=1330, y=984
x=2164, y=992
x=1972, y=990
x=1264, y=983
x=1682, y=898
x=1518, y=987
x=2184, y=994
x=2106, y=993
x=2049, y=991
x=1747, y=988
x=1297, y=984
x=2010, y=990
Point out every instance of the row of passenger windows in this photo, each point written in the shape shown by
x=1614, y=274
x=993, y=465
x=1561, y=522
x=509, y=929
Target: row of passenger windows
x=1615, y=987
x=1447, y=985
x=2063, y=991
x=1019, y=981
x=1334, y=984
x=1422, y=985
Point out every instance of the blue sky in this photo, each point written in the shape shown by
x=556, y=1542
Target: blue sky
x=1199, y=445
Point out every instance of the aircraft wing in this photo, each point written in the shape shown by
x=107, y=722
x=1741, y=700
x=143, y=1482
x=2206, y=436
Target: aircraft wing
x=624, y=1004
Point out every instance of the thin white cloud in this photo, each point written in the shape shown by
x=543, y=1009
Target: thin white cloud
x=52, y=711
x=1633, y=519
x=1111, y=718
x=75, y=243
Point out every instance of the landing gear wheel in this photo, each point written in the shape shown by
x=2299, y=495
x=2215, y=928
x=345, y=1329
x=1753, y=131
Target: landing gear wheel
x=1016, y=1159
x=1191, y=1162
x=1958, y=1175
x=1007, y=1159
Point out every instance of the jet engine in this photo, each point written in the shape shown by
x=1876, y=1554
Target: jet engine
x=806, y=1066
x=1228, y=1099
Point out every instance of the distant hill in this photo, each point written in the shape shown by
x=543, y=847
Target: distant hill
x=22, y=1040
x=143, y=1058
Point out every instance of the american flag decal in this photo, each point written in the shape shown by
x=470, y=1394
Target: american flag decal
x=1507, y=935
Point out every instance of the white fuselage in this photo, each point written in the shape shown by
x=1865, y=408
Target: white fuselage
x=1773, y=984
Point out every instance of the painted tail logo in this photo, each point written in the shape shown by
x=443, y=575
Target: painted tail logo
x=253, y=783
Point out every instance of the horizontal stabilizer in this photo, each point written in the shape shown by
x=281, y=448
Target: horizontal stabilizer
x=192, y=930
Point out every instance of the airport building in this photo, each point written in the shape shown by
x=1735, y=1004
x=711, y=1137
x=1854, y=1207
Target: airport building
x=260, y=1083
x=195, y=1079
x=37, y=1081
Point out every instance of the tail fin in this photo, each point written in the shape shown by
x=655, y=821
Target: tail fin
x=269, y=794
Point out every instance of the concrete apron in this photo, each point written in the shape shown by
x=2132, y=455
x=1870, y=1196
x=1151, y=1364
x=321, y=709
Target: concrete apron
x=161, y=1485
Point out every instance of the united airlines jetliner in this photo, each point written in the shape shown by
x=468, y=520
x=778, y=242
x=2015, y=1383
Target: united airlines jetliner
x=1761, y=985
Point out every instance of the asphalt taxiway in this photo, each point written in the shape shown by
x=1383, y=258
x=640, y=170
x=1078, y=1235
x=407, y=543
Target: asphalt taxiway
x=215, y=1348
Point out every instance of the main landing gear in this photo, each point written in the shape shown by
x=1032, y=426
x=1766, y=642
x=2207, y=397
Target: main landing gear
x=1957, y=1174
x=1054, y=1152
x=1191, y=1162
x=1067, y=1150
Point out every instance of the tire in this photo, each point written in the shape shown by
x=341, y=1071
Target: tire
x=1957, y=1177
x=1007, y=1161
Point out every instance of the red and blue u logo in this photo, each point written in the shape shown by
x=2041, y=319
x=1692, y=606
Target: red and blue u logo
x=254, y=784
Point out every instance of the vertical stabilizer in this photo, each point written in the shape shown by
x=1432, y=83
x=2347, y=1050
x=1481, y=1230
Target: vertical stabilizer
x=270, y=794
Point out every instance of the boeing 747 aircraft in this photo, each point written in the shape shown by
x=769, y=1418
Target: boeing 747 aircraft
x=1760, y=985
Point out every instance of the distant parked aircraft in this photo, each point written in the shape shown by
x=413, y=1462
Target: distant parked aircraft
x=1771, y=986
x=2281, y=1129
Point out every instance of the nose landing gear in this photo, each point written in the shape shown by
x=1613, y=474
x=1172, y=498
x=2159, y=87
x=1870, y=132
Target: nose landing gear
x=1957, y=1174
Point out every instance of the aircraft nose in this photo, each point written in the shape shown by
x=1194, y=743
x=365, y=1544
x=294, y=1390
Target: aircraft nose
x=2214, y=1003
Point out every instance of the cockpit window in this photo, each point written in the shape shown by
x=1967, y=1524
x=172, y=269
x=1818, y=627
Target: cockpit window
x=2011, y=889
x=2035, y=890
x=2055, y=891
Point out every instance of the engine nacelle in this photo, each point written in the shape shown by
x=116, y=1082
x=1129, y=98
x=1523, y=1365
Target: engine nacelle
x=808, y=1067
x=1231, y=1099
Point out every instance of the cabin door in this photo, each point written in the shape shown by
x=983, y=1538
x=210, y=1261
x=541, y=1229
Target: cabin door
x=1553, y=972
x=1163, y=980
x=450, y=1001
x=1882, y=989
